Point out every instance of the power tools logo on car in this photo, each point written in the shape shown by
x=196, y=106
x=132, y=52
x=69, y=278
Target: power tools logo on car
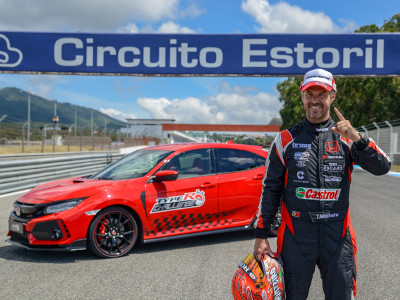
x=318, y=194
x=187, y=200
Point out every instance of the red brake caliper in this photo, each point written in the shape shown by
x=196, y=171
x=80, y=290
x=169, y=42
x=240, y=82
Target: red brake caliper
x=102, y=229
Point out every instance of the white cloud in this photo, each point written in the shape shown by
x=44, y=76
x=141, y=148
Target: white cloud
x=116, y=114
x=129, y=28
x=171, y=27
x=187, y=110
x=235, y=106
x=88, y=15
x=191, y=11
x=165, y=27
x=348, y=26
x=43, y=85
x=285, y=18
x=224, y=87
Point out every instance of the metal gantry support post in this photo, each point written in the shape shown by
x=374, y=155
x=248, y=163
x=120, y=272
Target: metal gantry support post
x=110, y=144
x=80, y=138
x=44, y=135
x=29, y=120
x=69, y=134
x=23, y=136
x=55, y=120
x=1, y=119
x=118, y=138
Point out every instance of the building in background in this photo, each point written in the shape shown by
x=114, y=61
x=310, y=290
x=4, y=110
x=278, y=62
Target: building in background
x=145, y=127
x=152, y=129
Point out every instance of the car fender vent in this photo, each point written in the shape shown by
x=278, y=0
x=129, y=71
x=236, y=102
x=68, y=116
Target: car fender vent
x=65, y=228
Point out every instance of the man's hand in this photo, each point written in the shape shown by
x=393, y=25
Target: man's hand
x=260, y=246
x=345, y=129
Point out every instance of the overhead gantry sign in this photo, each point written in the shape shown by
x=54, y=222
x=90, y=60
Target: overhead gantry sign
x=199, y=54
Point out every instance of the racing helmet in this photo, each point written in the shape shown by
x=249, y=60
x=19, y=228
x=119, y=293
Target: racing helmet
x=259, y=280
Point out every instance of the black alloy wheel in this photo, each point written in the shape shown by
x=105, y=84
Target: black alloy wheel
x=112, y=233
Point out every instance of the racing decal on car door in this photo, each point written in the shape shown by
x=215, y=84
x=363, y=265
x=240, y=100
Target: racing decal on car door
x=187, y=200
x=188, y=223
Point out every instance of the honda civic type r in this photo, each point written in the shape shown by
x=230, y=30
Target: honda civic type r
x=153, y=194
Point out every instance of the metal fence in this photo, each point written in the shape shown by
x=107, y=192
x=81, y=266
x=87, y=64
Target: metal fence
x=14, y=135
x=20, y=172
x=386, y=136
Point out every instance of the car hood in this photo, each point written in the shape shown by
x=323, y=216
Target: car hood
x=68, y=189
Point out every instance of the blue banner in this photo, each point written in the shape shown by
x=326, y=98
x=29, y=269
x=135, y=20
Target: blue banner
x=199, y=54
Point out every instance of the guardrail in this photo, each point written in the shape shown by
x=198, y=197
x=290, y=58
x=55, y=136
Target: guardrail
x=25, y=172
x=386, y=135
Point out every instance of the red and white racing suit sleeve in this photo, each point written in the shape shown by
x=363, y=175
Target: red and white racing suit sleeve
x=273, y=185
x=370, y=157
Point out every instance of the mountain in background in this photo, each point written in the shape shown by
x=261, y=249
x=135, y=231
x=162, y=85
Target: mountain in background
x=14, y=104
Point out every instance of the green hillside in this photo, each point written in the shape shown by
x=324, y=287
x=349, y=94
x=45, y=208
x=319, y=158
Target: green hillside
x=14, y=104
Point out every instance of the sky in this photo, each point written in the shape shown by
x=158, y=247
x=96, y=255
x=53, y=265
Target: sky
x=201, y=100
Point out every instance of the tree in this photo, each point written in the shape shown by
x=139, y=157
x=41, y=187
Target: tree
x=391, y=25
x=361, y=100
x=292, y=110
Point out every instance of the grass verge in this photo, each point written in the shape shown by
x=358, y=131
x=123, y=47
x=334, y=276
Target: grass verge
x=395, y=168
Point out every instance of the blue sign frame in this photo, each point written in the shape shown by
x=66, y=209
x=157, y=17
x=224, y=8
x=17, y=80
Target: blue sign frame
x=199, y=54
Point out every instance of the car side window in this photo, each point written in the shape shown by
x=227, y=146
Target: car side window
x=260, y=160
x=190, y=163
x=233, y=160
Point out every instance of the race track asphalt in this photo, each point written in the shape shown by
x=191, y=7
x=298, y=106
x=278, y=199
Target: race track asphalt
x=201, y=268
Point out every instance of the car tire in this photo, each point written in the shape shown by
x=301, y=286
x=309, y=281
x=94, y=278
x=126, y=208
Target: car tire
x=112, y=233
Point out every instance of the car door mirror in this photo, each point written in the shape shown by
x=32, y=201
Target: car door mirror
x=165, y=175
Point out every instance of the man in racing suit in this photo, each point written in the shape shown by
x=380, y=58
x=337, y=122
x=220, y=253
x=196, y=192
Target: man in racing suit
x=309, y=168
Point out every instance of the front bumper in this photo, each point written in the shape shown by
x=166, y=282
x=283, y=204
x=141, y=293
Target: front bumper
x=23, y=242
x=64, y=231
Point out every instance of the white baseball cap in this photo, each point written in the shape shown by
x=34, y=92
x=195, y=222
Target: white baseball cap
x=318, y=77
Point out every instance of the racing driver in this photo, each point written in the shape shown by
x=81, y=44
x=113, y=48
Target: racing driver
x=309, y=169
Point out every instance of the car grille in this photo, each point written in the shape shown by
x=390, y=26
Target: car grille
x=24, y=212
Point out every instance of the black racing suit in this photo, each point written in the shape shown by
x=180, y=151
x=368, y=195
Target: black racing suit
x=309, y=168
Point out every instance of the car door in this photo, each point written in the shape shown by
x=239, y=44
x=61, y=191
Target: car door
x=187, y=204
x=240, y=174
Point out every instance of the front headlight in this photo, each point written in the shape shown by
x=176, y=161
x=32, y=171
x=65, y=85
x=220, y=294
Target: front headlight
x=62, y=205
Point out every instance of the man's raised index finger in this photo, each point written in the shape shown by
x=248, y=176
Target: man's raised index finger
x=340, y=116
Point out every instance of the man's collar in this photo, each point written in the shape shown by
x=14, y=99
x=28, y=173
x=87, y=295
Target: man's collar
x=320, y=127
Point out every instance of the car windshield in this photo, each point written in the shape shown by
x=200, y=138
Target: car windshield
x=134, y=165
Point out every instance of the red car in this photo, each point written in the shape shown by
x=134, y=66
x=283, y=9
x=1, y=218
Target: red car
x=153, y=194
